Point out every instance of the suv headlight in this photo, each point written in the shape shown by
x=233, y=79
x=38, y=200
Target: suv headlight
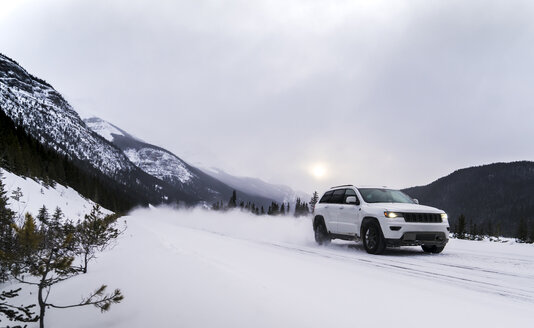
x=444, y=217
x=392, y=215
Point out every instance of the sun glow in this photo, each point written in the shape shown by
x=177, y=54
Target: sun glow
x=318, y=171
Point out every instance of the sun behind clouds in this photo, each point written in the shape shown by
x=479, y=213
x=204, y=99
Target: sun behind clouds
x=318, y=171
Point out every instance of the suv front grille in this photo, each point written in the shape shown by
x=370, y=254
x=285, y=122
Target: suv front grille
x=422, y=217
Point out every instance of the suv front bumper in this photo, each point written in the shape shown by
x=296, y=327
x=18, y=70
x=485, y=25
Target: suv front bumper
x=419, y=238
x=400, y=233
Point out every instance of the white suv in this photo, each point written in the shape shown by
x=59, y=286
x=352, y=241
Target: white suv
x=380, y=217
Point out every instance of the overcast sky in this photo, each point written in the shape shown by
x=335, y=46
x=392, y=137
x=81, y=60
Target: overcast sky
x=397, y=93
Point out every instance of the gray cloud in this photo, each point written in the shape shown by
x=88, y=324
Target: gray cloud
x=395, y=93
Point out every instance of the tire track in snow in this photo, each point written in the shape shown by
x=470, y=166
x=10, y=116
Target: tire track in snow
x=418, y=270
x=462, y=276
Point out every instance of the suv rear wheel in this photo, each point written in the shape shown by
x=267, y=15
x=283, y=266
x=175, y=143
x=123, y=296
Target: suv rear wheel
x=321, y=235
x=372, y=237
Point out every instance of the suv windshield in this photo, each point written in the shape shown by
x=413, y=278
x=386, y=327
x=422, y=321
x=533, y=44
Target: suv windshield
x=377, y=195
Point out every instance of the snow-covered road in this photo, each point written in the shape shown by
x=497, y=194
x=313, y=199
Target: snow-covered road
x=201, y=269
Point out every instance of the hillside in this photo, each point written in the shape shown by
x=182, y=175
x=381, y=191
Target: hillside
x=44, y=114
x=494, y=197
x=35, y=194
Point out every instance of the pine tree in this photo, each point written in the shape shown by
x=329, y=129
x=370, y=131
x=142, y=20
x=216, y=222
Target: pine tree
x=17, y=194
x=42, y=215
x=461, y=227
x=95, y=234
x=232, y=203
x=301, y=208
x=7, y=220
x=48, y=253
x=297, y=207
x=313, y=201
x=470, y=233
x=522, y=230
x=531, y=232
x=498, y=230
x=490, y=229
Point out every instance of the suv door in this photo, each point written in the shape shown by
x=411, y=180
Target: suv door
x=334, y=211
x=349, y=215
x=324, y=209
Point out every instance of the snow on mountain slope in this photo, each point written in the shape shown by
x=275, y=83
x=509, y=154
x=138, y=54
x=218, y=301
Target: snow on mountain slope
x=103, y=128
x=255, y=186
x=207, y=269
x=46, y=115
x=153, y=160
x=160, y=164
x=35, y=194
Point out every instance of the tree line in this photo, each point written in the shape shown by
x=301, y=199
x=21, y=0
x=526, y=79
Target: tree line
x=46, y=250
x=301, y=208
x=464, y=229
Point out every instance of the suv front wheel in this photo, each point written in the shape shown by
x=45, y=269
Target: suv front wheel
x=432, y=249
x=372, y=237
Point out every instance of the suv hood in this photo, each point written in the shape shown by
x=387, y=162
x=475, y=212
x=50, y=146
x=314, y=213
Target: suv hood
x=401, y=207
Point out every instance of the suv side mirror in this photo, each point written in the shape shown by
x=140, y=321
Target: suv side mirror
x=415, y=200
x=351, y=200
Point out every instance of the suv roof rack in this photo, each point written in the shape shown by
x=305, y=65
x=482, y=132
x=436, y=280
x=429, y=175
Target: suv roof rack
x=347, y=185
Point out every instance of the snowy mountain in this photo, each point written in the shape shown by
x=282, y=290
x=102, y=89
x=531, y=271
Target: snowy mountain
x=153, y=160
x=166, y=166
x=33, y=104
x=44, y=114
x=258, y=187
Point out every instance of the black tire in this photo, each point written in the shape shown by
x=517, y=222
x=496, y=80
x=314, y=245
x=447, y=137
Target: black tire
x=372, y=237
x=432, y=248
x=321, y=235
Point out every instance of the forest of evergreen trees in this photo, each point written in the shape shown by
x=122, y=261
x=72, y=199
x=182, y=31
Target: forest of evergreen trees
x=21, y=154
x=496, y=198
x=462, y=228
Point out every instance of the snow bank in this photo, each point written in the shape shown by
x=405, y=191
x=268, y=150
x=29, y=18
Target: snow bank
x=209, y=269
x=35, y=194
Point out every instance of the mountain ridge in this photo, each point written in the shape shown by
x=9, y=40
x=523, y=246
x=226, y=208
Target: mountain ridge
x=167, y=166
x=493, y=196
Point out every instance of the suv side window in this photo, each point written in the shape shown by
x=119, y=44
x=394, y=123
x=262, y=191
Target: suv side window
x=338, y=196
x=350, y=192
x=326, y=197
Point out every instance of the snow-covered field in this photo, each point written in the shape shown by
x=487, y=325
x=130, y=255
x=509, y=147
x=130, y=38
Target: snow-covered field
x=207, y=269
x=35, y=194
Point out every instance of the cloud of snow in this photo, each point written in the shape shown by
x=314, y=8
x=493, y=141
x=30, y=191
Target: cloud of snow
x=236, y=223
